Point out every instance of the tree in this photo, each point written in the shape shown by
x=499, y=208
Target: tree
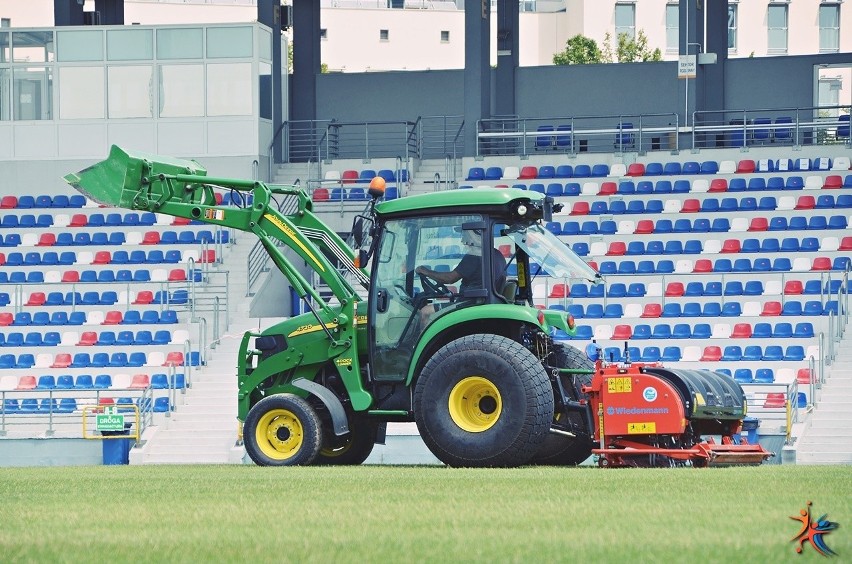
x=323, y=66
x=579, y=50
x=630, y=50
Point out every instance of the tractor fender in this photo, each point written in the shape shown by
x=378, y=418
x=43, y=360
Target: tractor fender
x=339, y=422
x=463, y=315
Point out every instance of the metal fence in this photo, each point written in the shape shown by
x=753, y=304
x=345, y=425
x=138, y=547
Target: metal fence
x=818, y=125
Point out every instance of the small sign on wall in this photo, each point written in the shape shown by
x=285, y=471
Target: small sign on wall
x=686, y=66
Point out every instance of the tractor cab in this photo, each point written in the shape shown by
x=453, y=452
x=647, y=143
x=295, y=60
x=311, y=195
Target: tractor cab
x=434, y=261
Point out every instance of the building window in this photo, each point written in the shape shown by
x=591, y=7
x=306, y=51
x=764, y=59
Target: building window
x=829, y=28
x=777, y=20
x=383, y=35
x=323, y=33
x=672, y=27
x=445, y=37
x=5, y=22
x=732, y=27
x=625, y=20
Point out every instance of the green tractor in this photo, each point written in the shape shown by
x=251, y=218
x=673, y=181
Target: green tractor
x=431, y=319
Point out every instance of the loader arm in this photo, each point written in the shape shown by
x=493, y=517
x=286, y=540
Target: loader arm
x=181, y=188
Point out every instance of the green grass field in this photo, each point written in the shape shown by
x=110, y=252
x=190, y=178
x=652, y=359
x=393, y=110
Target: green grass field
x=416, y=514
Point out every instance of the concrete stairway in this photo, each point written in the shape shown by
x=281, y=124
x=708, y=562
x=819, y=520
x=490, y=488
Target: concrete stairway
x=828, y=440
x=203, y=428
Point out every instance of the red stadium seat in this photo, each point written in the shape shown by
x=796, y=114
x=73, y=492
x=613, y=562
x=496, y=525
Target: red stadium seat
x=745, y=166
x=151, y=238
x=580, y=208
x=636, y=169
x=174, y=358
x=622, y=332
x=833, y=181
x=608, y=189
x=691, y=205
x=36, y=299
x=803, y=376
x=27, y=383
x=771, y=309
x=71, y=276
x=528, y=172
x=805, y=203
x=177, y=275
x=846, y=244
x=88, y=339
x=102, y=257
x=208, y=256
x=703, y=266
x=78, y=220
x=758, y=224
x=644, y=227
x=616, y=249
x=559, y=291
x=112, y=318
x=718, y=185
x=793, y=287
x=821, y=263
x=674, y=289
x=711, y=354
x=6, y=319
x=741, y=331
x=9, y=202
x=775, y=400
x=320, y=195
x=144, y=297
x=61, y=360
x=46, y=240
x=349, y=176
x=731, y=246
x=180, y=221
x=652, y=311
x=139, y=382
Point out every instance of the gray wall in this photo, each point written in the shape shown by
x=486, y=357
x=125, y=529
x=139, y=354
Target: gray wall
x=553, y=91
x=389, y=96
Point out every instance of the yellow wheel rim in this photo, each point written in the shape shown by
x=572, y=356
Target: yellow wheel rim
x=475, y=404
x=279, y=434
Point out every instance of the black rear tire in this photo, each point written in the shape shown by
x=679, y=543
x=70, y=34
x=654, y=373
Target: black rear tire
x=483, y=400
x=560, y=450
x=282, y=430
x=350, y=449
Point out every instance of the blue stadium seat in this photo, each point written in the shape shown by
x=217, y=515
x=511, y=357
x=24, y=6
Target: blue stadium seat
x=713, y=288
x=654, y=206
x=743, y=375
x=661, y=331
x=656, y=248
x=773, y=353
x=782, y=264
x=653, y=169
x=798, y=223
x=644, y=187
x=782, y=330
x=594, y=311
x=732, y=353
x=664, y=266
x=711, y=309
x=564, y=171
x=764, y=376
x=761, y=330
x=636, y=207
x=671, y=354
x=626, y=187
x=682, y=225
x=752, y=353
x=803, y=330
x=627, y=267
x=664, y=226
x=663, y=187
x=670, y=309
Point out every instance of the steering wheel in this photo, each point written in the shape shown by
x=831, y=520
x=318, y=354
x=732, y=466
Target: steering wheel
x=434, y=287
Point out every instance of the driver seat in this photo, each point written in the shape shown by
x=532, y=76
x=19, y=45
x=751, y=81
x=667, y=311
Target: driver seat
x=510, y=288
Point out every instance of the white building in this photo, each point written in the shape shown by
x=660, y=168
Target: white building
x=374, y=35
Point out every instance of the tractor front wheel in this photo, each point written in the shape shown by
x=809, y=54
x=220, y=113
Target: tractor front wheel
x=282, y=430
x=483, y=400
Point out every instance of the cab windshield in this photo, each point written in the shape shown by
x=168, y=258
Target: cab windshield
x=544, y=248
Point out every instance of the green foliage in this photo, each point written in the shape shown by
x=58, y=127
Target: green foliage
x=579, y=50
x=323, y=66
x=631, y=50
x=206, y=513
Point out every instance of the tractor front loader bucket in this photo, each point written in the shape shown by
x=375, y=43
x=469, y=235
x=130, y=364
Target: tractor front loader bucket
x=123, y=178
